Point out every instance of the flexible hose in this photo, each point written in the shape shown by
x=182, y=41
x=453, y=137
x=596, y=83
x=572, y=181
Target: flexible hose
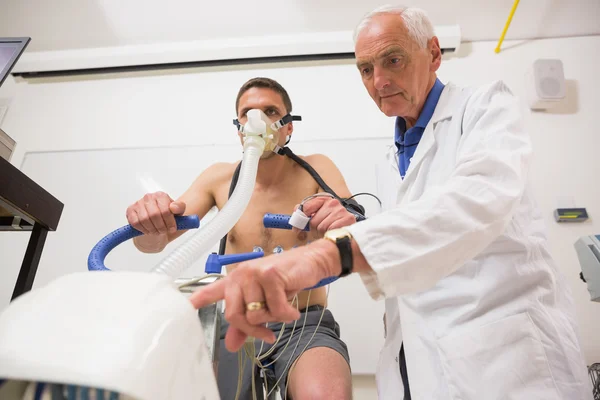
x=203, y=240
x=124, y=233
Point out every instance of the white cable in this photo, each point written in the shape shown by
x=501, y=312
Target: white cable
x=320, y=194
x=292, y=354
x=297, y=343
x=261, y=357
x=304, y=349
x=272, y=349
x=257, y=359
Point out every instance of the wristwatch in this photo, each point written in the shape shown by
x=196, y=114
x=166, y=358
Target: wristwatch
x=343, y=240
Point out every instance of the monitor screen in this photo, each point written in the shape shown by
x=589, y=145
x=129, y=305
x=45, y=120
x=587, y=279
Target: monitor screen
x=10, y=51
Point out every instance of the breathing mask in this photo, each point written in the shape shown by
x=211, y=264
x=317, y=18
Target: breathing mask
x=259, y=124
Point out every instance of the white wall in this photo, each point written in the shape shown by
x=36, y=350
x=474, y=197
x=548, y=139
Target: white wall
x=76, y=24
x=129, y=110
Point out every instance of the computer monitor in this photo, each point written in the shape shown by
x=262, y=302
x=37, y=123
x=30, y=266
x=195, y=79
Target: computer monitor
x=10, y=51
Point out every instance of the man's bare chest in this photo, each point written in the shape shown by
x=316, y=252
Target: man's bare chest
x=249, y=232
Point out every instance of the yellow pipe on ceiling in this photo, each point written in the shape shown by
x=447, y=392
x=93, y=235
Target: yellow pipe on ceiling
x=510, y=16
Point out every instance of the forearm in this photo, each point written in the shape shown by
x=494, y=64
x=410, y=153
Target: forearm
x=155, y=243
x=360, y=262
x=332, y=261
x=151, y=243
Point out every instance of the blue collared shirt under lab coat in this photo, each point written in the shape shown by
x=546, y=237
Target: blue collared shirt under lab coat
x=407, y=140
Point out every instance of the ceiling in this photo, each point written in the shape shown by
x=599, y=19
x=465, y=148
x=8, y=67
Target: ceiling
x=76, y=24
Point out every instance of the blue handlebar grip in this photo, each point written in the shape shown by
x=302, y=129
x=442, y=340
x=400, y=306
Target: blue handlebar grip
x=118, y=236
x=279, y=221
x=236, y=258
x=187, y=222
x=324, y=282
x=214, y=263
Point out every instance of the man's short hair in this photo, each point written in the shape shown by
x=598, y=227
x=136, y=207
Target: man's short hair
x=265, y=83
x=415, y=20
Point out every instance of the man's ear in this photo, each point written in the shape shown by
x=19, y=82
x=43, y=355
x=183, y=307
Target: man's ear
x=436, y=53
x=289, y=128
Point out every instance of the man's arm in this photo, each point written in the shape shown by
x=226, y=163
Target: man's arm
x=155, y=213
x=327, y=213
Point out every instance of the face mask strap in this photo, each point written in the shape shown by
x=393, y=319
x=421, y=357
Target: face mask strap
x=239, y=126
x=275, y=125
x=284, y=121
x=278, y=150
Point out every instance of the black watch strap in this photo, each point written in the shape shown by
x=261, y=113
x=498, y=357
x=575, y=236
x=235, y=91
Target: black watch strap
x=344, y=245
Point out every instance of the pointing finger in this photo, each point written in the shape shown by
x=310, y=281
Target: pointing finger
x=208, y=294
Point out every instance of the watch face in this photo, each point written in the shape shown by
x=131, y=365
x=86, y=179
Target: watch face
x=337, y=234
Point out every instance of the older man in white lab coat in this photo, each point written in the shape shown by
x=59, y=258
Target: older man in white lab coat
x=475, y=306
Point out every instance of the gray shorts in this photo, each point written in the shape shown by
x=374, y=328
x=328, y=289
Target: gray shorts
x=327, y=335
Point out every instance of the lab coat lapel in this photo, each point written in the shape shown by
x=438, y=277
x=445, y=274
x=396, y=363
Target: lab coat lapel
x=442, y=110
x=388, y=178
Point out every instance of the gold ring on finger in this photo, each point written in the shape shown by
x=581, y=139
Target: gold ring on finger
x=255, y=306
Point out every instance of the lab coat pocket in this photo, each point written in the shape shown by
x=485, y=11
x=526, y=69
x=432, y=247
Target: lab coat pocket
x=501, y=360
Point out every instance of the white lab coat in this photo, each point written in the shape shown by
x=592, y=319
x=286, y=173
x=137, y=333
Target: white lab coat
x=461, y=258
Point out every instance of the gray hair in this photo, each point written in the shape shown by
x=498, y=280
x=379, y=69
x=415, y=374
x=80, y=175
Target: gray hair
x=416, y=21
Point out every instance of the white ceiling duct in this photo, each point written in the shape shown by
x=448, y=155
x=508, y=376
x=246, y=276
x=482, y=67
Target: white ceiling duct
x=222, y=51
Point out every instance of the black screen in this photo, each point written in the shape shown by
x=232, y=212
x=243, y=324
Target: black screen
x=10, y=51
x=6, y=54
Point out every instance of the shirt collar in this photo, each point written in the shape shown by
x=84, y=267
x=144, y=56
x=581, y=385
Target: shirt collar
x=426, y=113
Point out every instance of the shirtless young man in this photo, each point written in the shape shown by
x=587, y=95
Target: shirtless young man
x=322, y=371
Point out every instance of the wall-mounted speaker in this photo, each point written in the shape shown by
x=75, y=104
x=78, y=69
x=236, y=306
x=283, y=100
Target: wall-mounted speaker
x=546, y=86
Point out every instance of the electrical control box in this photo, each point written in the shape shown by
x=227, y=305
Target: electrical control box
x=570, y=215
x=588, y=252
